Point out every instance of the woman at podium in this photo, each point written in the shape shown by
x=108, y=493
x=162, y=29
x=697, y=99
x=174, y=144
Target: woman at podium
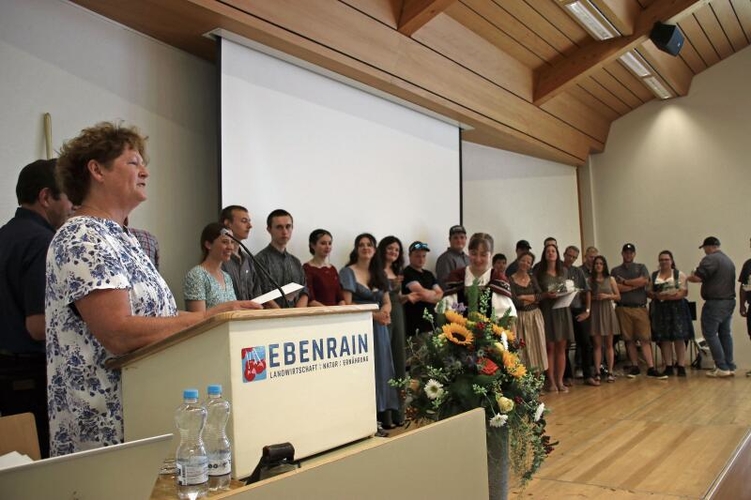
x=104, y=297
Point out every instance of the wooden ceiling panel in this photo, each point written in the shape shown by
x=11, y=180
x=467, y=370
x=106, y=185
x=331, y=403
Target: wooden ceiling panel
x=562, y=21
x=711, y=26
x=630, y=82
x=480, y=62
x=604, y=95
x=693, y=32
x=730, y=24
x=743, y=11
x=385, y=11
x=692, y=58
x=540, y=26
x=579, y=115
x=474, y=52
x=478, y=24
x=417, y=13
x=618, y=89
x=589, y=100
x=496, y=15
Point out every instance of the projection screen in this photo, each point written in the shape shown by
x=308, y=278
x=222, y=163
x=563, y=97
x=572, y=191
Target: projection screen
x=334, y=156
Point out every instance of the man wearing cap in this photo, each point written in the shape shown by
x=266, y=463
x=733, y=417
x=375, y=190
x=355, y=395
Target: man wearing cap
x=23, y=254
x=421, y=289
x=454, y=256
x=632, y=279
x=521, y=247
x=716, y=273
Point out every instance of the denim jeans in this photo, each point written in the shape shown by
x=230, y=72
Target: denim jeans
x=716, y=316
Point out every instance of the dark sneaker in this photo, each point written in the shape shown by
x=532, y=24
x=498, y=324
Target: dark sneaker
x=634, y=372
x=653, y=373
x=681, y=371
x=668, y=371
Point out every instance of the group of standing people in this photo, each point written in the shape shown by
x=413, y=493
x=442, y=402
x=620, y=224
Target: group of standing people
x=79, y=290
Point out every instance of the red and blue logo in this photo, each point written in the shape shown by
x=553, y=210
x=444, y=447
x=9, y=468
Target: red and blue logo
x=254, y=363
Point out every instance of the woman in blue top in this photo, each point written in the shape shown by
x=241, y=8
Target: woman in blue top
x=207, y=285
x=364, y=282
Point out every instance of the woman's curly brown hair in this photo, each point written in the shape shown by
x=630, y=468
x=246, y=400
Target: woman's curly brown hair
x=103, y=142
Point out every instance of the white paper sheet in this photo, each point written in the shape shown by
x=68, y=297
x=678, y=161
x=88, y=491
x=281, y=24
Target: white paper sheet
x=288, y=289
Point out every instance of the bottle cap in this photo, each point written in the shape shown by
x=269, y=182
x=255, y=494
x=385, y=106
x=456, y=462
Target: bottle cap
x=190, y=394
x=214, y=390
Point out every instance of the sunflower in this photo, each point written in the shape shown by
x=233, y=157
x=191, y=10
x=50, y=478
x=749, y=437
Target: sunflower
x=510, y=360
x=458, y=334
x=518, y=370
x=513, y=366
x=455, y=317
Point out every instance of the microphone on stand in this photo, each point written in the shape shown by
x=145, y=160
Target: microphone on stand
x=266, y=273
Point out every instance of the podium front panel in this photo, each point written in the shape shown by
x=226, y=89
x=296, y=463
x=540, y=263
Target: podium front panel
x=307, y=380
x=312, y=385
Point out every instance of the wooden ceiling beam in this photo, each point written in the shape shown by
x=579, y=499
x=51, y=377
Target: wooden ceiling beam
x=417, y=13
x=553, y=80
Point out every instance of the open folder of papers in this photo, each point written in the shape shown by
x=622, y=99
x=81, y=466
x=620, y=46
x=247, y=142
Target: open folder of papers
x=288, y=289
x=564, y=299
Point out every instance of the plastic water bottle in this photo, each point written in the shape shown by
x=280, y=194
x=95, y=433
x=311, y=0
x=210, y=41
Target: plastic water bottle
x=218, y=447
x=191, y=460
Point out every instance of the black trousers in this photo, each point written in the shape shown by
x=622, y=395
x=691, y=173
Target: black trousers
x=583, y=340
x=23, y=388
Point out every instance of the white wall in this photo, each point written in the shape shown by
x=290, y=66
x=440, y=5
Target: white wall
x=514, y=197
x=676, y=171
x=59, y=58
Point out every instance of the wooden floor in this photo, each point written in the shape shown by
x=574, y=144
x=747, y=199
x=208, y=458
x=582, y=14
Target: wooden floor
x=643, y=438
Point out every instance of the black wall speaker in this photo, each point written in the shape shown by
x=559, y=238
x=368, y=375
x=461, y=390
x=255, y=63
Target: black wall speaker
x=667, y=37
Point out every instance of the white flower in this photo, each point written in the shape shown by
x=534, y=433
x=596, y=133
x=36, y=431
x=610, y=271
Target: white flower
x=433, y=389
x=538, y=412
x=498, y=420
x=504, y=340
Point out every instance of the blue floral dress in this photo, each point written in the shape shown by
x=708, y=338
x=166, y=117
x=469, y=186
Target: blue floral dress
x=199, y=284
x=84, y=397
x=386, y=396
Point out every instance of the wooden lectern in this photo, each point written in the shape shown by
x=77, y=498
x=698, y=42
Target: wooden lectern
x=303, y=376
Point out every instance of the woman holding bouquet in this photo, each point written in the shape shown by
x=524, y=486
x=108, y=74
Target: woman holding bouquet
x=480, y=270
x=604, y=322
x=671, y=320
x=364, y=282
x=551, y=274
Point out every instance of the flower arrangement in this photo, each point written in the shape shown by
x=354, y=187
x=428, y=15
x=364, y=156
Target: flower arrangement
x=470, y=362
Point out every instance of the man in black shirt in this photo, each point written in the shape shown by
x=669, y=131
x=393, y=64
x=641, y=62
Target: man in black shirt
x=421, y=288
x=23, y=254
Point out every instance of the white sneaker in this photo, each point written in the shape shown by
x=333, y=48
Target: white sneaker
x=718, y=373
